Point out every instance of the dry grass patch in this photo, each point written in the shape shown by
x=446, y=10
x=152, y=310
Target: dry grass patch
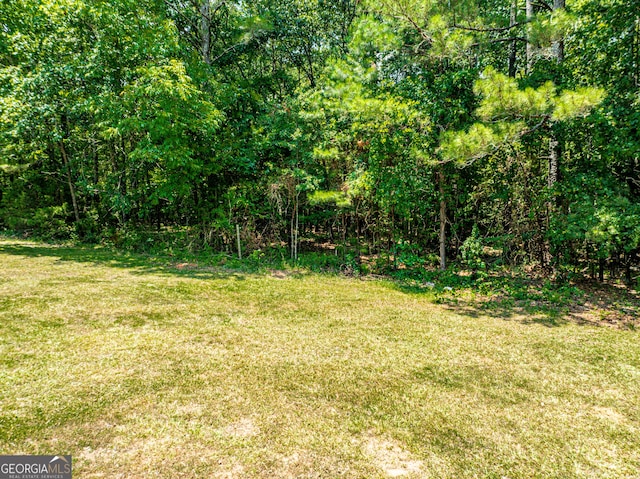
x=141, y=371
x=392, y=458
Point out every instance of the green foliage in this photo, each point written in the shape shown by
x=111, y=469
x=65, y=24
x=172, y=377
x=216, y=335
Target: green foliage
x=512, y=112
x=335, y=122
x=551, y=27
x=339, y=198
x=172, y=120
x=572, y=104
x=614, y=226
x=371, y=39
x=480, y=141
x=502, y=98
x=471, y=251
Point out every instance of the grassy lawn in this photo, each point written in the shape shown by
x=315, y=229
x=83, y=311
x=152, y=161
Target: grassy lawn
x=140, y=370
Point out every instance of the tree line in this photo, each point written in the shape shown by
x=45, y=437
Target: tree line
x=408, y=129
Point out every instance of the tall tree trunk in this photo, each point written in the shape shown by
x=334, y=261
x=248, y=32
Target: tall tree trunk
x=205, y=30
x=636, y=53
x=292, y=233
x=558, y=46
x=295, y=223
x=555, y=150
x=554, y=160
x=514, y=45
x=295, y=237
x=552, y=178
x=529, y=17
x=443, y=222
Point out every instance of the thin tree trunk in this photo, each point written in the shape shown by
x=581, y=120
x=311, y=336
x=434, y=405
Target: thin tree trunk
x=72, y=188
x=555, y=150
x=554, y=159
x=636, y=53
x=394, y=243
x=238, y=241
x=554, y=146
x=601, y=269
x=294, y=226
x=295, y=238
x=443, y=222
x=514, y=45
x=205, y=30
x=291, y=233
x=529, y=18
x=558, y=46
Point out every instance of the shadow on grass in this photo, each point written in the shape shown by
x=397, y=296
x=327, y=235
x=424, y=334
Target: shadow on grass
x=137, y=263
x=529, y=301
x=548, y=316
x=465, y=303
x=536, y=309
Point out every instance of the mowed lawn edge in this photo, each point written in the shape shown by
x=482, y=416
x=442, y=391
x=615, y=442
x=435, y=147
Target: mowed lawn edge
x=142, y=370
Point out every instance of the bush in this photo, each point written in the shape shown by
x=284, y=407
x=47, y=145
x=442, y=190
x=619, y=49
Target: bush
x=50, y=223
x=471, y=251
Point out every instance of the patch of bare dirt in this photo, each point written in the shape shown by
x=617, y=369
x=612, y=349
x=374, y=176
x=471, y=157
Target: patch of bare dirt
x=236, y=472
x=186, y=266
x=611, y=305
x=280, y=274
x=243, y=428
x=391, y=457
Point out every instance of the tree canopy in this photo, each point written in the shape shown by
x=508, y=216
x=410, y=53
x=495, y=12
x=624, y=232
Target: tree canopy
x=386, y=127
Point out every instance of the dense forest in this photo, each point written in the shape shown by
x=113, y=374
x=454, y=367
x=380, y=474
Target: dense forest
x=477, y=131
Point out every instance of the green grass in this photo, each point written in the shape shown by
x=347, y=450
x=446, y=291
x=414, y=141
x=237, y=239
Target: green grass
x=141, y=370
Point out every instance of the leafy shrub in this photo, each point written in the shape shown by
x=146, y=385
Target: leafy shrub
x=471, y=251
x=50, y=223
